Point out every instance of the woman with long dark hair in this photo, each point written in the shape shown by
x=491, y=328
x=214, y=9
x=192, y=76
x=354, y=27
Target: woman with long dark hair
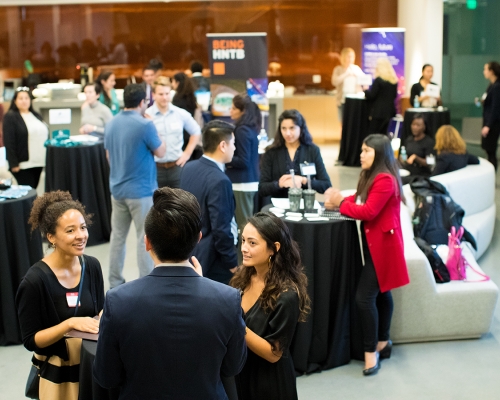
x=107, y=81
x=274, y=299
x=24, y=135
x=243, y=170
x=293, y=145
x=491, y=112
x=46, y=299
x=376, y=203
x=184, y=93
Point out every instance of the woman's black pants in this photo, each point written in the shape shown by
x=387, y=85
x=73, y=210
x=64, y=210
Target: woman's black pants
x=490, y=144
x=375, y=308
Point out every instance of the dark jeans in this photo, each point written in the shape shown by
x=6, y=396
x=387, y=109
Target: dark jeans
x=375, y=308
x=30, y=176
x=490, y=144
x=170, y=177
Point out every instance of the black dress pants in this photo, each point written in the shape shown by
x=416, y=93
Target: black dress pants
x=490, y=144
x=378, y=125
x=374, y=307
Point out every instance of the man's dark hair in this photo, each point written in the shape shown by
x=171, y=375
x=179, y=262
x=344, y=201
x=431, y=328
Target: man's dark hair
x=215, y=132
x=133, y=95
x=196, y=66
x=155, y=64
x=148, y=68
x=173, y=224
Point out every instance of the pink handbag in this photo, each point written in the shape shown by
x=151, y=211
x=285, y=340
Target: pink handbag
x=456, y=262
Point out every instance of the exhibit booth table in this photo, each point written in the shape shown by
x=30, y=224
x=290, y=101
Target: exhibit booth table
x=433, y=118
x=84, y=172
x=19, y=250
x=354, y=130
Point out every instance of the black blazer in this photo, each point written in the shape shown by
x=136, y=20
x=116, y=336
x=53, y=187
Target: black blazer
x=214, y=191
x=449, y=162
x=15, y=137
x=274, y=166
x=491, y=105
x=381, y=97
x=170, y=335
x=245, y=164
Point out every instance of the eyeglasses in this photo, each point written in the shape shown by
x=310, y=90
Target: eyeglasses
x=23, y=89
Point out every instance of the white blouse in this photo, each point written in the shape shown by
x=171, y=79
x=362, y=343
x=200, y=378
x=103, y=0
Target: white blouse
x=38, y=133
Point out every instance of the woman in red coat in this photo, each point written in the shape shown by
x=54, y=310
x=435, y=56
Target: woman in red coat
x=377, y=204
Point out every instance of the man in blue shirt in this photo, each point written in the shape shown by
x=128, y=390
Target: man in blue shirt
x=170, y=122
x=131, y=141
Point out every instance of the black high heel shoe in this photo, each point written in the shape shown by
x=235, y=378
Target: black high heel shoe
x=386, y=351
x=373, y=370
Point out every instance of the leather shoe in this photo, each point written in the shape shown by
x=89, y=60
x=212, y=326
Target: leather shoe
x=372, y=370
x=386, y=351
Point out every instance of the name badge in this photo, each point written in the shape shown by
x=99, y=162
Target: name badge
x=308, y=169
x=175, y=126
x=71, y=298
x=430, y=160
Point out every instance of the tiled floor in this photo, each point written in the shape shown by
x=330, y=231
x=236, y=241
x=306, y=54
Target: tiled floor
x=453, y=370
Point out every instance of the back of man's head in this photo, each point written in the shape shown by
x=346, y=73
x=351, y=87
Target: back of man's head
x=133, y=95
x=173, y=224
x=215, y=132
x=196, y=66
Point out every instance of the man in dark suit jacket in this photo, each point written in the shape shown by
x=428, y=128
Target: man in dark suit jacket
x=148, y=78
x=205, y=178
x=171, y=334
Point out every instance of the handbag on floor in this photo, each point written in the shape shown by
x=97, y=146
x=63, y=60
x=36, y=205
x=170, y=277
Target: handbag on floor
x=32, y=390
x=456, y=262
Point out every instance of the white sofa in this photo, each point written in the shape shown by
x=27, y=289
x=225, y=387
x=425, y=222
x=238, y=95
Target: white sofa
x=426, y=311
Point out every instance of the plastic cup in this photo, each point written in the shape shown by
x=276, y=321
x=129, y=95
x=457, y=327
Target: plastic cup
x=309, y=198
x=294, y=196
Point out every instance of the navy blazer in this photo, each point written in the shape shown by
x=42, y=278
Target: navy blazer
x=274, y=166
x=491, y=105
x=170, y=335
x=244, y=166
x=213, y=189
x=381, y=97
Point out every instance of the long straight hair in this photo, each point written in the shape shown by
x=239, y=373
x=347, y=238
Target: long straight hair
x=13, y=105
x=384, y=162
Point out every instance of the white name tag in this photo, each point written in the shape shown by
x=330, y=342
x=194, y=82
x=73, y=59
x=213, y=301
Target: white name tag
x=71, y=298
x=430, y=160
x=308, y=169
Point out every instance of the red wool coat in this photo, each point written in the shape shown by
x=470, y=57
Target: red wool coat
x=382, y=225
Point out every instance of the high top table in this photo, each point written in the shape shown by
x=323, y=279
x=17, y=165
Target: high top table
x=434, y=118
x=84, y=172
x=19, y=250
x=354, y=130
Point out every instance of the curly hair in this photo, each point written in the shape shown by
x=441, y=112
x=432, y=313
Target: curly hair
x=48, y=208
x=286, y=271
x=297, y=118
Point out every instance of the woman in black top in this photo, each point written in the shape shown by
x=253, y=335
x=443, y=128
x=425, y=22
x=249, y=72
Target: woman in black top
x=184, y=93
x=292, y=146
x=46, y=298
x=24, y=136
x=451, y=151
x=419, y=146
x=491, y=112
x=381, y=97
x=418, y=89
x=243, y=170
x=274, y=299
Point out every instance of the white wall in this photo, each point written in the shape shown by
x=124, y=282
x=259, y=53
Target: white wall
x=423, y=20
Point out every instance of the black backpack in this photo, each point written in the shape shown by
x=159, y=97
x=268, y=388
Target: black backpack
x=436, y=212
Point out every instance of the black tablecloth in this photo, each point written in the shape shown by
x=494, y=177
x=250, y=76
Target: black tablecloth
x=433, y=119
x=84, y=172
x=331, y=256
x=19, y=250
x=90, y=389
x=354, y=131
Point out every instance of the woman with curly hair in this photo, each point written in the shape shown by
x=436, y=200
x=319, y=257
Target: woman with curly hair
x=47, y=296
x=274, y=299
x=451, y=151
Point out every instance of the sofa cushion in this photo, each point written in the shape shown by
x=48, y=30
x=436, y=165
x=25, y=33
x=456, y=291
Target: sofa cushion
x=472, y=187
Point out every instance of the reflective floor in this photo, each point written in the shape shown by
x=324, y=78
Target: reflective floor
x=467, y=369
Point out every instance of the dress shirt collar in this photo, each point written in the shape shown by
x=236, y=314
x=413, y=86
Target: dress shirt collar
x=155, y=110
x=219, y=164
x=197, y=74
